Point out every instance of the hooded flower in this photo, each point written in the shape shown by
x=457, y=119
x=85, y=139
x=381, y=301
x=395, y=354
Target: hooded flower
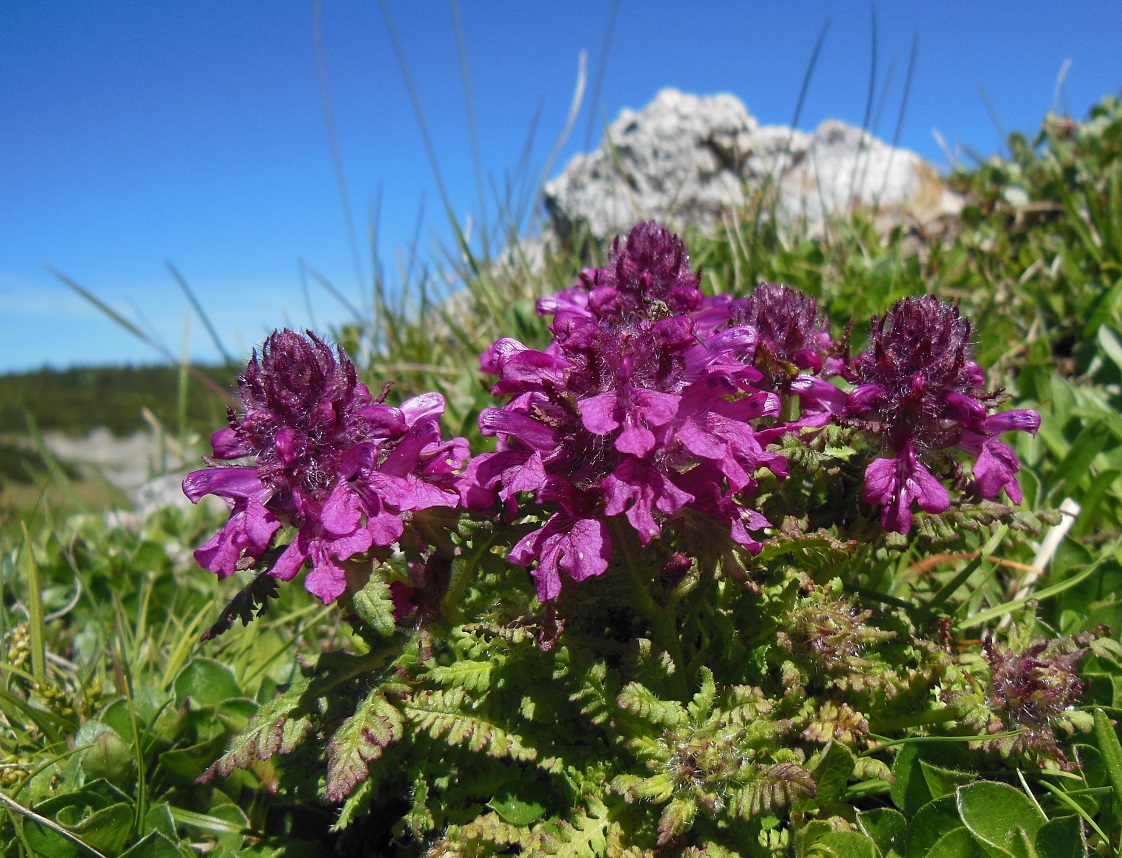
x=627, y=413
x=325, y=459
x=921, y=393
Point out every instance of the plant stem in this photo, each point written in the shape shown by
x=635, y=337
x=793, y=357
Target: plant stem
x=664, y=628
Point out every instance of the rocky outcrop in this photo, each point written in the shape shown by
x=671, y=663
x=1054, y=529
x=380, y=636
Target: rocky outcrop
x=691, y=160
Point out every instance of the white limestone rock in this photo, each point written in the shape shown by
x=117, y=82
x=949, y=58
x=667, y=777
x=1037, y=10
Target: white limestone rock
x=692, y=160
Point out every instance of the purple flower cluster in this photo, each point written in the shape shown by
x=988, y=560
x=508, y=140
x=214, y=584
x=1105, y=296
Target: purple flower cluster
x=920, y=392
x=642, y=406
x=652, y=404
x=324, y=457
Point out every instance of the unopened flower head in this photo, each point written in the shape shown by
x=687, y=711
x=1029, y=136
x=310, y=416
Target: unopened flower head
x=303, y=405
x=787, y=324
x=648, y=276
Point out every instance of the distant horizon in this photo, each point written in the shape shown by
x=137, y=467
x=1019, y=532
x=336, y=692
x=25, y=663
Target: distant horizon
x=197, y=135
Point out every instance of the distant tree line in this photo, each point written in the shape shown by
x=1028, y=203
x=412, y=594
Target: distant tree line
x=77, y=400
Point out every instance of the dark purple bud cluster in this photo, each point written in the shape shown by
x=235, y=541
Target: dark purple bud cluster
x=1033, y=690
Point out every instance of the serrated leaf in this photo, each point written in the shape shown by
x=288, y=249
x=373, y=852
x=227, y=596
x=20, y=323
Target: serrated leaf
x=778, y=785
x=374, y=606
x=473, y=675
x=657, y=788
x=443, y=715
x=492, y=828
x=359, y=741
x=641, y=701
x=677, y=817
x=702, y=703
x=274, y=729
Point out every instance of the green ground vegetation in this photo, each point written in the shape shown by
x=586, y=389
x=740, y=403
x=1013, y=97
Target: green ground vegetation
x=110, y=706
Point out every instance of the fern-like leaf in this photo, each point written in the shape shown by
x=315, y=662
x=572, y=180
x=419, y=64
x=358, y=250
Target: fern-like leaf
x=471, y=675
x=445, y=715
x=587, y=835
x=358, y=742
x=677, y=818
x=272, y=730
x=641, y=701
x=777, y=786
x=492, y=828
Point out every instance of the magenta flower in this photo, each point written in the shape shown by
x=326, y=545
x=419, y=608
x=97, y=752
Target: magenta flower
x=326, y=459
x=628, y=413
x=920, y=392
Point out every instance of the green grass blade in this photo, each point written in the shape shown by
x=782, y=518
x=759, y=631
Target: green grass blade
x=34, y=609
x=948, y=589
x=1067, y=800
x=198, y=307
x=114, y=315
x=1009, y=607
x=1111, y=751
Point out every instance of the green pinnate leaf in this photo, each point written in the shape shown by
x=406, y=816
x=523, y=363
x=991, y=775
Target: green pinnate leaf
x=446, y=715
x=657, y=788
x=677, y=818
x=278, y=727
x=474, y=676
x=361, y=739
x=493, y=828
x=702, y=703
x=585, y=835
x=776, y=786
x=640, y=700
x=374, y=605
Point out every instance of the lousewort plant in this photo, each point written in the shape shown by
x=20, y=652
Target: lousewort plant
x=650, y=620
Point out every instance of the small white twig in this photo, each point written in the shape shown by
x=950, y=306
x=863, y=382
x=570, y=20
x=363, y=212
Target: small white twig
x=1069, y=510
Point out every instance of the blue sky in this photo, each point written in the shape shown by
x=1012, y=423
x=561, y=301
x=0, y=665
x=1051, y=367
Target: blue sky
x=135, y=133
